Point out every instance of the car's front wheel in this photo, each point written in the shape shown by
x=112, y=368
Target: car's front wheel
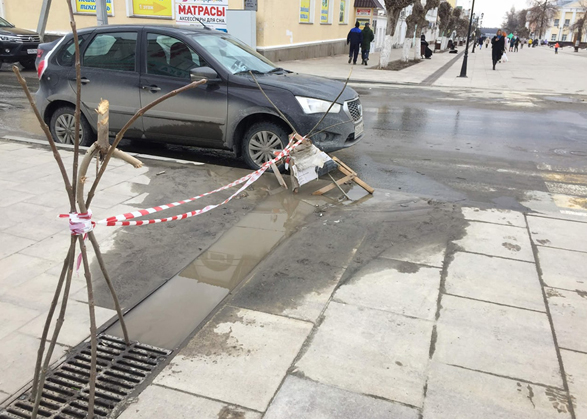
x=261, y=141
x=62, y=127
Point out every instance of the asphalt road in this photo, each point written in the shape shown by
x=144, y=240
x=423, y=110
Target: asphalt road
x=477, y=146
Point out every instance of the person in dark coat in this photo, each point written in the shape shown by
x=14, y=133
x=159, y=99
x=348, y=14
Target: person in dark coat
x=354, y=38
x=368, y=37
x=498, y=46
x=425, y=51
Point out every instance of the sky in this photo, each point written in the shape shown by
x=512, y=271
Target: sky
x=494, y=10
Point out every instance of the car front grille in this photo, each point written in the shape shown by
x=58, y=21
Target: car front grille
x=355, y=109
x=29, y=38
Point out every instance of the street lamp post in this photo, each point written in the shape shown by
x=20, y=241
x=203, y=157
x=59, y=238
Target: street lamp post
x=476, y=19
x=464, y=67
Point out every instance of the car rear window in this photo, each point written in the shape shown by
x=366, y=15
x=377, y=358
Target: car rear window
x=66, y=56
x=112, y=51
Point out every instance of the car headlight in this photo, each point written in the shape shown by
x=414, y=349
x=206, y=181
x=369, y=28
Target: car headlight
x=310, y=105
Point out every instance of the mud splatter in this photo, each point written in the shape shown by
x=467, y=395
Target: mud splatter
x=582, y=294
x=512, y=247
x=228, y=412
x=399, y=363
x=558, y=399
x=543, y=242
x=408, y=268
x=551, y=292
x=531, y=396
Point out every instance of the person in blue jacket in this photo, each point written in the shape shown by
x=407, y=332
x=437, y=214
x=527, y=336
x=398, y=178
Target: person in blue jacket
x=354, y=38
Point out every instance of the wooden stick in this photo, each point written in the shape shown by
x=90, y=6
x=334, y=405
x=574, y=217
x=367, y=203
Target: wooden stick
x=52, y=308
x=331, y=186
x=56, y=331
x=121, y=133
x=78, y=93
x=278, y=175
x=45, y=128
x=357, y=180
x=93, y=338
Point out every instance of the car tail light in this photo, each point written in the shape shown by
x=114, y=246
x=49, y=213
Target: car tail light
x=40, y=68
x=40, y=53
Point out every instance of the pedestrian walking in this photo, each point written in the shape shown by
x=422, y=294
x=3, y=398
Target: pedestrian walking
x=529, y=43
x=498, y=46
x=368, y=37
x=354, y=38
x=487, y=42
x=556, y=47
x=517, y=43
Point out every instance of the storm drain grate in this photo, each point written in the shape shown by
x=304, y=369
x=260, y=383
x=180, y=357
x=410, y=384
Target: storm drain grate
x=120, y=369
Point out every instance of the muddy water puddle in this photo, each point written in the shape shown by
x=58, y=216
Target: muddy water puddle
x=170, y=314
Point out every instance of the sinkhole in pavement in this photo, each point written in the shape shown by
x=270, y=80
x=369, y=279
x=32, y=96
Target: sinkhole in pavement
x=169, y=315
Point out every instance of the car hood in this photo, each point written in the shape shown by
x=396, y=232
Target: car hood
x=308, y=86
x=16, y=31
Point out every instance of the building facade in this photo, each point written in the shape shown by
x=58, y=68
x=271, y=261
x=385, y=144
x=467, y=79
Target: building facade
x=285, y=29
x=561, y=27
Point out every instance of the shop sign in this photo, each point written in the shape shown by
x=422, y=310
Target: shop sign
x=152, y=8
x=251, y=5
x=364, y=12
x=305, y=11
x=211, y=13
x=89, y=6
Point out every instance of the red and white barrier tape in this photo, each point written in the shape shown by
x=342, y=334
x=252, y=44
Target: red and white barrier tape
x=248, y=180
x=80, y=223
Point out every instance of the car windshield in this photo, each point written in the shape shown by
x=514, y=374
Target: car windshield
x=5, y=24
x=234, y=55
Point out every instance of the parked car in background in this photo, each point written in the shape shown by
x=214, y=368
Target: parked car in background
x=17, y=45
x=133, y=65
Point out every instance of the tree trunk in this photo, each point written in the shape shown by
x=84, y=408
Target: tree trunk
x=407, y=48
x=385, y=55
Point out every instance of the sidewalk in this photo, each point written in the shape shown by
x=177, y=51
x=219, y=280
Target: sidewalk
x=529, y=70
x=464, y=313
x=337, y=67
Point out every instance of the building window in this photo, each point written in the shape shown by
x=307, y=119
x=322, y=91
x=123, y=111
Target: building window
x=306, y=11
x=343, y=17
x=89, y=7
x=556, y=22
x=564, y=37
x=326, y=12
x=553, y=38
x=150, y=8
x=567, y=22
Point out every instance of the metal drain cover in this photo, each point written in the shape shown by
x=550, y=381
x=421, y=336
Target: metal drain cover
x=120, y=369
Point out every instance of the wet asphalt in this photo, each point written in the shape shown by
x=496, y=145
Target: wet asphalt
x=451, y=144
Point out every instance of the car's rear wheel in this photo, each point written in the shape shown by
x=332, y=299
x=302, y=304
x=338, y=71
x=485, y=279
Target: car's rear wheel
x=261, y=141
x=28, y=64
x=62, y=127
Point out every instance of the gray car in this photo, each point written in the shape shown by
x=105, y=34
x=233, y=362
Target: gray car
x=131, y=66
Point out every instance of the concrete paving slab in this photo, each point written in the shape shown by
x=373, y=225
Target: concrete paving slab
x=161, y=402
x=457, y=393
x=3, y=396
x=239, y=357
x=18, y=353
x=497, y=240
x=299, y=398
x=576, y=369
x=52, y=248
x=76, y=326
x=512, y=342
x=9, y=216
x=497, y=280
x=11, y=197
x=563, y=268
x=13, y=317
x=16, y=269
x=38, y=228
x=110, y=199
x=51, y=199
x=37, y=293
x=495, y=216
x=429, y=254
x=11, y=244
x=370, y=352
x=561, y=234
x=398, y=287
x=569, y=314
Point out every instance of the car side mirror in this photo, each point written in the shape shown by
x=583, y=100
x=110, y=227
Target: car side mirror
x=200, y=73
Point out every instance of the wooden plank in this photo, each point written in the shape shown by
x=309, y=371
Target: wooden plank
x=280, y=178
x=341, y=163
x=357, y=180
x=332, y=185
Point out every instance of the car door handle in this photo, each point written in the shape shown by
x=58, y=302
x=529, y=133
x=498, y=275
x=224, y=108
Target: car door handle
x=151, y=89
x=83, y=80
